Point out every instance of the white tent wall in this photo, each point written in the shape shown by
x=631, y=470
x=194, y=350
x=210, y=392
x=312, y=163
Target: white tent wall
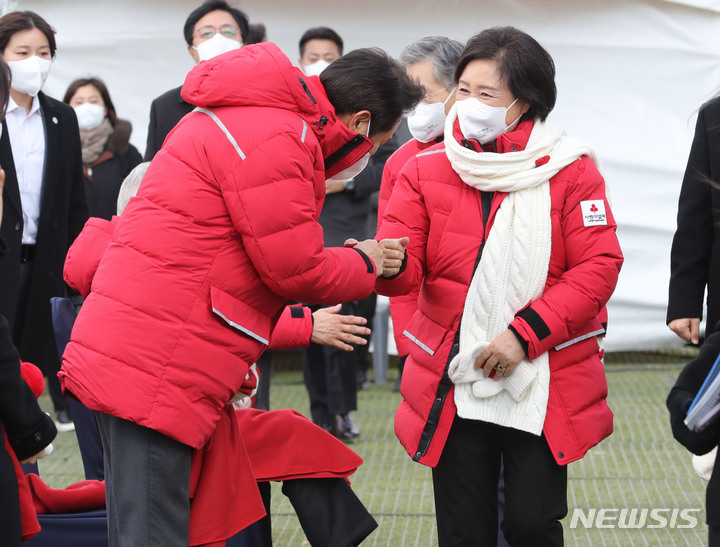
x=630, y=75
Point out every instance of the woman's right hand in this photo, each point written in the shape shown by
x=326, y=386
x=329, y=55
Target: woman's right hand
x=687, y=328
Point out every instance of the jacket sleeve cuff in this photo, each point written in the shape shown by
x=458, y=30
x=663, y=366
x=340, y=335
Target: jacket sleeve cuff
x=402, y=268
x=368, y=262
x=33, y=441
x=535, y=322
x=523, y=342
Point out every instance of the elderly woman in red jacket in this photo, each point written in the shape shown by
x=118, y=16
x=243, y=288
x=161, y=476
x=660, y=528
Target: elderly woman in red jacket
x=513, y=241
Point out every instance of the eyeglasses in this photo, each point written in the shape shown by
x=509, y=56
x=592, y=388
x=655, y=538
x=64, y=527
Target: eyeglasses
x=207, y=32
x=428, y=96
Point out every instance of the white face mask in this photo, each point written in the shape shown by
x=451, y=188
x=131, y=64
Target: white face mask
x=316, y=68
x=427, y=121
x=216, y=45
x=481, y=121
x=356, y=168
x=29, y=75
x=89, y=115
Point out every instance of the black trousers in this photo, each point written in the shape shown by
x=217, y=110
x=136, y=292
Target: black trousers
x=713, y=535
x=466, y=488
x=330, y=513
x=365, y=308
x=51, y=365
x=330, y=376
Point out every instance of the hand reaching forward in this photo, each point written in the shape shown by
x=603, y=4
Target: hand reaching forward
x=393, y=255
x=333, y=329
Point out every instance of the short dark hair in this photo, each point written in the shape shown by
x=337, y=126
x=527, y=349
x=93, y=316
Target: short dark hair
x=16, y=21
x=527, y=68
x=5, y=77
x=98, y=84
x=212, y=5
x=320, y=33
x=369, y=79
x=256, y=34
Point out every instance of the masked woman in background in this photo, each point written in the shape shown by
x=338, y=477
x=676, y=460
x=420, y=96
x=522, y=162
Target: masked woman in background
x=44, y=205
x=108, y=157
x=513, y=243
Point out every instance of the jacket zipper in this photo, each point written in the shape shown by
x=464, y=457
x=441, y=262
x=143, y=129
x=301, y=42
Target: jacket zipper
x=444, y=388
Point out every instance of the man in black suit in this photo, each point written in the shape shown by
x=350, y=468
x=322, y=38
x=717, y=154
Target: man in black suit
x=209, y=30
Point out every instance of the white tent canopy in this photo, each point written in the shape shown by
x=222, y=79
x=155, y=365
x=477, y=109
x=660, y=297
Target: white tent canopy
x=630, y=74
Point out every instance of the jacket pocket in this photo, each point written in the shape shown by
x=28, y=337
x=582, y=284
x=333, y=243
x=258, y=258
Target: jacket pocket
x=425, y=333
x=240, y=316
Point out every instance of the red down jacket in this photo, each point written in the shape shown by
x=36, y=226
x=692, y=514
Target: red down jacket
x=222, y=233
x=443, y=218
x=293, y=329
x=402, y=307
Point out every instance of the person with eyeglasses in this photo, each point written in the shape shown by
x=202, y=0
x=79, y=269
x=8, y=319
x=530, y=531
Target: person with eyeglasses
x=44, y=203
x=211, y=29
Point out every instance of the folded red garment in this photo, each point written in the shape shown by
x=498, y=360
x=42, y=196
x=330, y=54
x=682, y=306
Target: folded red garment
x=225, y=497
x=284, y=445
x=29, y=522
x=81, y=496
x=247, y=446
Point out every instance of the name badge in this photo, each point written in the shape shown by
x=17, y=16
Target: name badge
x=593, y=213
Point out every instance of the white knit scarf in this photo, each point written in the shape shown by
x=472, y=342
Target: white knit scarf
x=511, y=273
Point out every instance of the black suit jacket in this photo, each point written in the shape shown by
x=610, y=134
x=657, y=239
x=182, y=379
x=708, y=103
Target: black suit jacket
x=165, y=112
x=63, y=212
x=695, y=255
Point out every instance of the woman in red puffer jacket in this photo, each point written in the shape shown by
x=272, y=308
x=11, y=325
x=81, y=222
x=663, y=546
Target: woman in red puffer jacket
x=513, y=242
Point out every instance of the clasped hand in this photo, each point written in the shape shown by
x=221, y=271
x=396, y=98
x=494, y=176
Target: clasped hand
x=388, y=254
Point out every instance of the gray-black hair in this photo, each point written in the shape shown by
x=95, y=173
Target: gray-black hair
x=444, y=53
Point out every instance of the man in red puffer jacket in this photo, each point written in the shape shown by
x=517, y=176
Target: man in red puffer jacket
x=222, y=233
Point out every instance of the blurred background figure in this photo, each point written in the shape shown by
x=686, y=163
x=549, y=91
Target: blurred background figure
x=108, y=157
x=209, y=30
x=256, y=34
x=44, y=204
x=695, y=254
x=319, y=47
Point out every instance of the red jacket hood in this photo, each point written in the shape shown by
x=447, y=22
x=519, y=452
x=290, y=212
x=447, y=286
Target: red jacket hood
x=262, y=75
